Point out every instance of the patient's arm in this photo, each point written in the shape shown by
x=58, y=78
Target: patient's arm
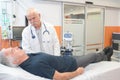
x=67, y=75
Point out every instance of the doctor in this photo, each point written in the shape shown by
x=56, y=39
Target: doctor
x=39, y=36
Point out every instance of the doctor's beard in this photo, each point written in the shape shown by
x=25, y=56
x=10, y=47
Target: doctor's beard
x=35, y=24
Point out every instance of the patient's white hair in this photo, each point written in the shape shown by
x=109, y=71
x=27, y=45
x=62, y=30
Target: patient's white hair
x=8, y=61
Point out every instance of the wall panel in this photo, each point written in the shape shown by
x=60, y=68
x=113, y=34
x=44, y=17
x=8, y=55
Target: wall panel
x=108, y=34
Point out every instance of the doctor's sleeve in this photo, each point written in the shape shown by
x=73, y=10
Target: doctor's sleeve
x=56, y=43
x=25, y=41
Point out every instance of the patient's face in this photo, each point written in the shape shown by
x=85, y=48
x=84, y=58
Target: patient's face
x=13, y=55
x=13, y=51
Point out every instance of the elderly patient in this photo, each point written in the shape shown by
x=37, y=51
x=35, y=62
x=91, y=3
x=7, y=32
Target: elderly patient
x=52, y=67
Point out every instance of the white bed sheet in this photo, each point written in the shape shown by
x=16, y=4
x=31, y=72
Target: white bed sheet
x=97, y=71
x=101, y=71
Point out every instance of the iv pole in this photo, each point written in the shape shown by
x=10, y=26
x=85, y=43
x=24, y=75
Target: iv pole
x=12, y=18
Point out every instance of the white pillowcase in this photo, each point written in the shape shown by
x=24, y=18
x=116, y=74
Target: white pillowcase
x=10, y=73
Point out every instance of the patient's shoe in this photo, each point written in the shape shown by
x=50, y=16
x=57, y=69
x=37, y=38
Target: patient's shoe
x=108, y=51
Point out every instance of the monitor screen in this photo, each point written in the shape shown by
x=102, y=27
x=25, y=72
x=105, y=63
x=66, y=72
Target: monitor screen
x=17, y=32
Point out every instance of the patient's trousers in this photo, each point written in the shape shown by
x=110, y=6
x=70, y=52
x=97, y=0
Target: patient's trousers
x=85, y=60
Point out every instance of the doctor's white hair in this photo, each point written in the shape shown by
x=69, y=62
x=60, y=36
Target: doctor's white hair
x=6, y=60
x=36, y=11
x=32, y=10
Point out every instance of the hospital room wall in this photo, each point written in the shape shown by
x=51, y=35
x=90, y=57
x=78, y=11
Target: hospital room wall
x=50, y=11
x=55, y=8
x=55, y=17
x=112, y=24
x=110, y=3
x=45, y=9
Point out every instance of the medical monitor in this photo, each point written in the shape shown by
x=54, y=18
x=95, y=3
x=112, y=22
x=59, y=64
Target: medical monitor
x=68, y=36
x=17, y=32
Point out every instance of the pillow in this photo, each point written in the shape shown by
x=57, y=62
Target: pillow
x=12, y=73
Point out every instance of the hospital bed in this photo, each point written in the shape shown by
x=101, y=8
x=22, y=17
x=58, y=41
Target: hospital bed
x=96, y=71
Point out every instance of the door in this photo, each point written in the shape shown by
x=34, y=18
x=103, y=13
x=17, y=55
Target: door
x=73, y=23
x=94, y=29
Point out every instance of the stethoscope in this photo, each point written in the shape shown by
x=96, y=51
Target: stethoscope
x=45, y=31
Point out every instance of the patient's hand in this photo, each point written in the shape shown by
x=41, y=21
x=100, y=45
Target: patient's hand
x=80, y=70
x=68, y=75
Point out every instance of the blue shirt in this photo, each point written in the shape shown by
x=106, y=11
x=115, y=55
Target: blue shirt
x=44, y=65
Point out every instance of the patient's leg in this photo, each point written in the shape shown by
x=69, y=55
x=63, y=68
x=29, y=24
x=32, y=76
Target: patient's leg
x=84, y=60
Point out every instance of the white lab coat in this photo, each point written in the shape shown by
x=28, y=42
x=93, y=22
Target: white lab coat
x=50, y=41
